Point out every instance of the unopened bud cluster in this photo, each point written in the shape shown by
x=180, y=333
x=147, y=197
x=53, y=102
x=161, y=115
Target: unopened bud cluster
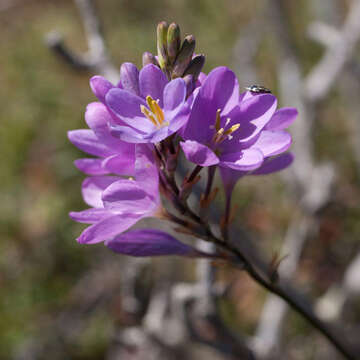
x=176, y=59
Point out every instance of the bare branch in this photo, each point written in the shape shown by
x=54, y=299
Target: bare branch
x=97, y=59
x=322, y=77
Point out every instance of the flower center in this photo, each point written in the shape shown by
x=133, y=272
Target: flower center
x=154, y=113
x=222, y=133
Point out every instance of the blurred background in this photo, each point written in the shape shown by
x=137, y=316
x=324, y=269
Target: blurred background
x=62, y=300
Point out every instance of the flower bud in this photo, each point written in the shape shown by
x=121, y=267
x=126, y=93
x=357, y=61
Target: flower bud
x=195, y=66
x=149, y=58
x=184, y=57
x=190, y=84
x=173, y=41
x=162, y=30
x=129, y=78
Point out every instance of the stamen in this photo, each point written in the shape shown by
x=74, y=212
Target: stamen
x=232, y=129
x=217, y=122
x=227, y=122
x=155, y=114
x=148, y=114
x=158, y=112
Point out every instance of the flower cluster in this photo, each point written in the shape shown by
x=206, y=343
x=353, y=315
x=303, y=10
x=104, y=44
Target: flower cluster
x=139, y=128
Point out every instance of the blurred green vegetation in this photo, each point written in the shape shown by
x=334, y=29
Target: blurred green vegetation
x=41, y=99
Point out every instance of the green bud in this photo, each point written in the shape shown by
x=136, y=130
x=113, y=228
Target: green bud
x=184, y=57
x=195, y=66
x=149, y=58
x=173, y=41
x=162, y=30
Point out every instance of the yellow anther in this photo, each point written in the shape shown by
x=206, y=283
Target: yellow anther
x=217, y=122
x=232, y=129
x=158, y=112
x=149, y=101
x=148, y=114
x=154, y=113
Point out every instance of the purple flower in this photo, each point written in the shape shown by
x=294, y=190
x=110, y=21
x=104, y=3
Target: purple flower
x=112, y=155
x=150, y=242
x=119, y=203
x=149, y=110
x=228, y=129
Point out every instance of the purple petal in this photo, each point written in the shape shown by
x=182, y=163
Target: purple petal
x=127, y=196
x=127, y=134
x=123, y=164
x=272, y=165
x=219, y=91
x=245, y=160
x=146, y=171
x=107, y=228
x=221, y=86
x=152, y=82
x=282, y=119
x=198, y=153
x=129, y=78
x=178, y=118
x=272, y=142
x=174, y=94
x=256, y=111
x=87, y=141
x=100, y=87
x=98, y=118
x=92, y=188
x=157, y=135
x=89, y=216
x=127, y=106
x=148, y=242
x=246, y=95
x=91, y=166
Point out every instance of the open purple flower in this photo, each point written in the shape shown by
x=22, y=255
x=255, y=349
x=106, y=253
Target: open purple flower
x=228, y=129
x=149, y=110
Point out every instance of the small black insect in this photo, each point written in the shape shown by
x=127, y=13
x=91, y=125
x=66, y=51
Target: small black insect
x=257, y=89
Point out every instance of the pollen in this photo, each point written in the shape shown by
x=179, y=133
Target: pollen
x=154, y=112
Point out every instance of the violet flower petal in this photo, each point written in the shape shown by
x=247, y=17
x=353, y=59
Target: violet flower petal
x=198, y=153
x=152, y=82
x=272, y=142
x=89, y=216
x=100, y=87
x=276, y=164
x=120, y=164
x=92, y=188
x=87, y=141
x=174, y=94
x=107, y=228
x=253, y=114
x=282, y=119
x=148, y=242
x=146, y=170
x=98, y=118
x=127, y=134
x=127, y=106
x=127, y=196
x=248, y=159
x=91, y=166
x=219, y=89
x=129, y=78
